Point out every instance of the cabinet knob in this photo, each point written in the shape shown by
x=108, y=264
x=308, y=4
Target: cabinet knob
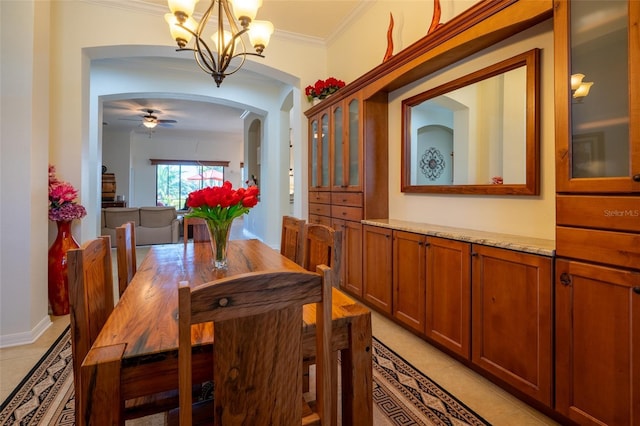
x=636, y=290
x=565, y=279
x=636, y=178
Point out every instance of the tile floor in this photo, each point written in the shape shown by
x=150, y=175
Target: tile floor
x=488, y=400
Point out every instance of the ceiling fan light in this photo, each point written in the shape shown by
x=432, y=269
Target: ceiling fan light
x=182, y=7
x=149, y=123
x=259, y=34
x=246, y=10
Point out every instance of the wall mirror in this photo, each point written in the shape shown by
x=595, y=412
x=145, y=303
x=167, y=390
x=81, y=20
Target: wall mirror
x=478, y=134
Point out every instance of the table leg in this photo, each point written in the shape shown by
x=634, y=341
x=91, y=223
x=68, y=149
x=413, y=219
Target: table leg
x=100, y=396
x=357, y=370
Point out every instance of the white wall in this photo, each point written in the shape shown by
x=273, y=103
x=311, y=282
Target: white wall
x=24, y=122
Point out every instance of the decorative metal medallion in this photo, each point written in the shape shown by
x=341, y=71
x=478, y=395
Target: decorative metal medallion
x=432, y=163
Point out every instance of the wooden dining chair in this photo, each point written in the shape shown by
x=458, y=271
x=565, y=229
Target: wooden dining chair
x=291, y=239
x=126, y=254
x=257, y=358
x=199, y=232
x=321, y=245
x=90, y=278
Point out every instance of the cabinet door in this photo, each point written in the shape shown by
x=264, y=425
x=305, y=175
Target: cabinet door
x=377, y=251
x=448, y=292
x=346, y=145
x=597, y=344
x=409, y=259
x=512, y=318
x=597, y=135
x=337, y=147
x=319, y=152
x=351, y=276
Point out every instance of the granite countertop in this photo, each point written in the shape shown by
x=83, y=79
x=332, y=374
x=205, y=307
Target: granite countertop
x=507, y=241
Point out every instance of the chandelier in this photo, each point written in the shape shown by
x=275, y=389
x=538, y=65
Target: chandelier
x=227, y=45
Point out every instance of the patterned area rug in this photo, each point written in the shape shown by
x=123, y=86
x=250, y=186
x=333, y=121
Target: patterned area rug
x=401, y=394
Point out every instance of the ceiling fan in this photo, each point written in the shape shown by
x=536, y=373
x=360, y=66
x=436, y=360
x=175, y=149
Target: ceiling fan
x=150, y=119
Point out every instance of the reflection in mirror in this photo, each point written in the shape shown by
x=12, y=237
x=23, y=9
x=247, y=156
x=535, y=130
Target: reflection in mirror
x=477, y=134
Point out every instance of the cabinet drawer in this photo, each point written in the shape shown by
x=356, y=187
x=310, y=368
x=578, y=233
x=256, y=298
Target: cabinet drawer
x=321, y=209
x=615, y=248
x=353, y=199
x=615, y=213
x=319, y=197
x=347, y=213
x=321, y=220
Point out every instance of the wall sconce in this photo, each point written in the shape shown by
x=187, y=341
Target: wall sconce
x=579, y=89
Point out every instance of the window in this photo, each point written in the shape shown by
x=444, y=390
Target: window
x=175, y=180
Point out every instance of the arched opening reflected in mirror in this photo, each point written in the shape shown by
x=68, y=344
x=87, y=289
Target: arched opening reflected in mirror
x=477, y=134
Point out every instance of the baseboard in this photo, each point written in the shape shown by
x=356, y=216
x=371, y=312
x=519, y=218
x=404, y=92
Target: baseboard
x=27, y=337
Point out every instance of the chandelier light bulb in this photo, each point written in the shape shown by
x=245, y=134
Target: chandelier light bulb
x=245, y=11
x=259, y=34
x=179, y=34
x=182, y=8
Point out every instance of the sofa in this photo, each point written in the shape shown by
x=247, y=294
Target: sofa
x=153, y=225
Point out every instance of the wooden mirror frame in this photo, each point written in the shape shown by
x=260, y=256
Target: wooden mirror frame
x=531, y=186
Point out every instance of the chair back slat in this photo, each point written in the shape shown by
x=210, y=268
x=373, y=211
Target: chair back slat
x=126, y=254
x=291, y=239
x=90, y=297
x=258, y=351
x=322, y=245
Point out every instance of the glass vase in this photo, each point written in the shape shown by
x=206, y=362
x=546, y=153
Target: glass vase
x=58, y=283
x=219, y=237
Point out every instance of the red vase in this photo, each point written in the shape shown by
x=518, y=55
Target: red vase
x=58, y=281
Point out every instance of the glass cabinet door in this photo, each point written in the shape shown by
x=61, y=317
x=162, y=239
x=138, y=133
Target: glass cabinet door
x=338, y=146
x=597, y=103
x=354, y=145
x=346, y=145
x=324, y=150
x=313, y=153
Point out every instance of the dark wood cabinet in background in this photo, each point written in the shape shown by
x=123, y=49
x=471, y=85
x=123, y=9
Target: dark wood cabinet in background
x=409, y=269
x=597, y=278
x=377, y=267
x=448, y=320
x=348, y=178
x=597, y=343
x=351, y=279
x=512, y=325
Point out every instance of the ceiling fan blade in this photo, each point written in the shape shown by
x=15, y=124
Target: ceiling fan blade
x=167, y=121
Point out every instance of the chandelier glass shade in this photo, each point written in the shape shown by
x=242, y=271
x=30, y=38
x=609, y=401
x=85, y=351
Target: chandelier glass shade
x=235, y=18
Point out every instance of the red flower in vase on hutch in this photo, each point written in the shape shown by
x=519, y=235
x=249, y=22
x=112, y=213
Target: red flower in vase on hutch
x=63, y=209
x=219, y=206
x=323, y=88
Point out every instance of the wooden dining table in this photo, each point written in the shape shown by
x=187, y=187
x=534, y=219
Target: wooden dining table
x=136, y=352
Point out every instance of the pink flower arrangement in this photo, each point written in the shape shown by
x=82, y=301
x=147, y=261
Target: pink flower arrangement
x=222, y=204
x=62, y=199
x=323, y=88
